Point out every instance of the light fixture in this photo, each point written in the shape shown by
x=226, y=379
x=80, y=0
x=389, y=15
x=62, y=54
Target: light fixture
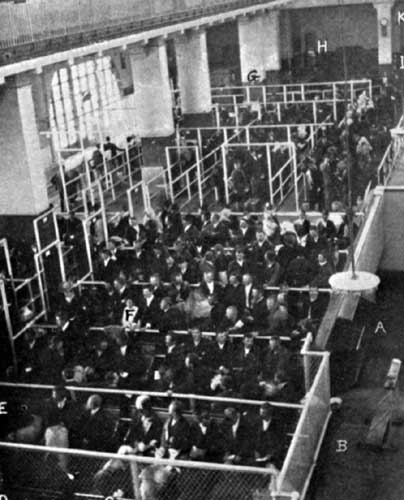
x=384, y=22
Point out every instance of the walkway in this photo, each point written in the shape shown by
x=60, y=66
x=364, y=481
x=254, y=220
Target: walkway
x=397, y=176
x=360, y=473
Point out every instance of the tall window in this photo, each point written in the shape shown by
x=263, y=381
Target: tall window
x=83, y=101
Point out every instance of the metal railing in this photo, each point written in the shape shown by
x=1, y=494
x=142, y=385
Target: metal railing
x=194, y=180
x=21, y=302
x=251, y=133
x=291, y=92
x=232, y=113
x=23, y=23
x=392, y=153
x=140, y=478
x=115, y=175
x=298, y=464
x=302, y=455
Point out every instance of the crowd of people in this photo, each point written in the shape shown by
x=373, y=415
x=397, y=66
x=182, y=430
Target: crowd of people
x=359, y=136
x=257, y=285
x=256, y=436
x=140, y=326
x=215, y=273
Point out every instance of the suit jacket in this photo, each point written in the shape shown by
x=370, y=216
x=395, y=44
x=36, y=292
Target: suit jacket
x=120, y=299
x=248, y=364
x=107, y=272
x=132, y=363
x=191, y=233
x=176, y=435
x=234, y=296
x=29, y=359
x=221, y=356
x=191, y=275
x=257, y=255
x=149, y=313
x=172, y=319
x=240, y=269
x=271, y=442
x=259, y=312
x=174, y=359
x=98, y=431
x=248, y=236
x=69, y=415
x=133, y=234
x=272, y=275
x=217, y=289
x=299, y=272
x=179, y=293
x=144, y=430
x=272, y=360
x=138, y=261
x=212, y=441
x=240, y=442
x=313, y=247
x=202, y=350
x=101, y=362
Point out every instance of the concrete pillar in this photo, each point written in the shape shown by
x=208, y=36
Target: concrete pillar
x=193, y=75
x=250, y=44
x=152, y=91
x=286, y=31
x=23, y=189
x=271, y=50
x=384, y=29
x=42, y=92
x=152, y=101
x=259, y=41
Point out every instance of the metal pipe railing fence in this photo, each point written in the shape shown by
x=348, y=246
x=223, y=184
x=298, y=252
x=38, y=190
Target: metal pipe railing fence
x=293, y=477
x=85, y=474
x=391, y=155
x=252, y=133
x=291, y=92
x=302, y=455
x=235, y=114
x=281, y=178
x=195, y=179
x=28, y=23
x=116, y=175
x=156, y=190
x=20, y=299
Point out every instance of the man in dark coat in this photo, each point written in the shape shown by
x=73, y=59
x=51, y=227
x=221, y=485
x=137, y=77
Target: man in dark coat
x=98, y=427
x=176, y=431
x=270, y=439
x=238, y=437
x=144, y=433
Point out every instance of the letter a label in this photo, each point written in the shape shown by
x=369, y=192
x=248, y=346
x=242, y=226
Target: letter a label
x=380, y=330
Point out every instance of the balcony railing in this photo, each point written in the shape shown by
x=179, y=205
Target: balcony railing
x=89, y=21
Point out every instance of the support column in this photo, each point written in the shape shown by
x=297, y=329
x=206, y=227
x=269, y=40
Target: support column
x=250, y=44
x=193, y=77
x=286, y=31
x=259, y=41
x=152, y=100
x=23, y=189
x=271, y=46
x=41, y=92
x=384, y=30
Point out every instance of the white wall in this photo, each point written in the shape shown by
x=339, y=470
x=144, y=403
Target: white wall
x=393, y=235
x=360, y=26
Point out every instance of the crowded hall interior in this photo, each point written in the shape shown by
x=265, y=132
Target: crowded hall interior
x=201, y=233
